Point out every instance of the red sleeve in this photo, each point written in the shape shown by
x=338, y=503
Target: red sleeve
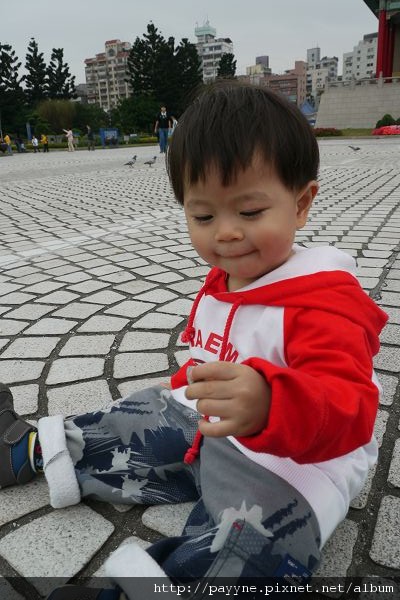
x=324, y=403
x=179, y=378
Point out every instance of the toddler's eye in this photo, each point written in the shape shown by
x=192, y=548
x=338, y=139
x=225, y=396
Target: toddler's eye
x=252, y=213
x=203, y=218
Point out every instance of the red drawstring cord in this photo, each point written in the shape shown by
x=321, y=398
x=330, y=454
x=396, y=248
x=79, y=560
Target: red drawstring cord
x=194, y=450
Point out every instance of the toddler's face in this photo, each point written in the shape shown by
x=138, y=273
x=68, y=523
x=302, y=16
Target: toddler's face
x=248, y=227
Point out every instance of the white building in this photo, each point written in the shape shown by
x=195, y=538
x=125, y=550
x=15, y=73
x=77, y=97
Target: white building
x=210, y=50
x=361, y=63
x=319, y=72
x=106, y=74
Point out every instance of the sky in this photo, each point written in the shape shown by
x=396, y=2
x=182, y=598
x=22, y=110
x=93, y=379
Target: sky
x=281, y=29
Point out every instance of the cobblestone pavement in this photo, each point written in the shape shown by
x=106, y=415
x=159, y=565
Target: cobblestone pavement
x=97, y=275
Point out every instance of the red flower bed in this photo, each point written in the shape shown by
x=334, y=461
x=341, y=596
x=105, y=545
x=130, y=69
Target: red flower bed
x=387, y=130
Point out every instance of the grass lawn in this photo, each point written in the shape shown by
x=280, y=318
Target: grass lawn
x=356, y=132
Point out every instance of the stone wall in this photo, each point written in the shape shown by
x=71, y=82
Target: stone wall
x=360, y=104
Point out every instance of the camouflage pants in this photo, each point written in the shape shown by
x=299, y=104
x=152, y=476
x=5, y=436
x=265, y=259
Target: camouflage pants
x=247, y=521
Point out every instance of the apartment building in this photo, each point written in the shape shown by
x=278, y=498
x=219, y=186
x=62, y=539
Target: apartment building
x=210, y=50
x=361, y=62
x=292, y=83
x=106, y=74
x=319, y=72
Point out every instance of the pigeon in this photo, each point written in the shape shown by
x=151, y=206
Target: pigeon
x=151, y=161
x=355, y=148
x=131, y=162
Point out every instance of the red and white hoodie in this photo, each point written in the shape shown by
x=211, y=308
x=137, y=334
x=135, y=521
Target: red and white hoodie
x=311, y=331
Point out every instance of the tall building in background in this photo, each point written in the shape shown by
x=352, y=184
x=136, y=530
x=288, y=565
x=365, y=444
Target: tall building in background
x=210, y=50
x=106, y=74
x=361, y=62
x=313, y=57
x=320, y=71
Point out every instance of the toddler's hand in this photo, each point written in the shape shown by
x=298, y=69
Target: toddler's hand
x=235, y=393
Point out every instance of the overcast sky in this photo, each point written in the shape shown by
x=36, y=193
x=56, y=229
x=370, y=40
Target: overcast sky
x=281, y=29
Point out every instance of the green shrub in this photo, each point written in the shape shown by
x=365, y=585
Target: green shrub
x=326, y=131
x=386, y=120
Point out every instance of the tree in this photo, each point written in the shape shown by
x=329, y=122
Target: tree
x=12, y=97
x=135, y=114
x=59, y=114
x=160, y=71
x=227, y=66
x=36, y=79
x=189, y=71
x=61, y=84
x=142, y=61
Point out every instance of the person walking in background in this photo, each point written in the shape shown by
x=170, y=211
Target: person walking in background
x=7, y=140
x=35, y=144
x=45, y=142
x=90, y=137
x=70, y=139
x=162, y=125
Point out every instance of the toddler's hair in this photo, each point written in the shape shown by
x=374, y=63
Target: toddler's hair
x=227, y=124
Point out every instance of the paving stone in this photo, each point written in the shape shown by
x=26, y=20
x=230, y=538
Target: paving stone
x=118, y=277
x=166, y=277
x=177, y=307
x=64, y=370
x=393, y=313
x=76, y=310
x=361, y=500
x=338, y=551
x=169, y=519
x=389, y=385
x=17, y=298
x=388, y=359
x=129, y=364
x=101, y=323
x=135, y=287
x=31, y=347
x=60, y=297
x=30, y=312
x=158, y=321
x=130, y=308
x=44, y=287
x=88, y=286
x=159, y=296
x=26, y=398
x=50, y=326
x=182, y=356
x=15, y=502
x=139, y=340
x=385, y=549
x=4, y=342
x=104, y=298
x=79, y=398
x=87, y=345
x=392, y=285
x=390, y=298
x=9, y=327
x=6, y=288
x=390, y=334
x=394, y=472
x=74, y=277
x=73, y=534
x=100, y=574
x=14, y=371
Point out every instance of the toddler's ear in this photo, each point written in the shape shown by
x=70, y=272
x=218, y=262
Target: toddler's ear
x=304, y=202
